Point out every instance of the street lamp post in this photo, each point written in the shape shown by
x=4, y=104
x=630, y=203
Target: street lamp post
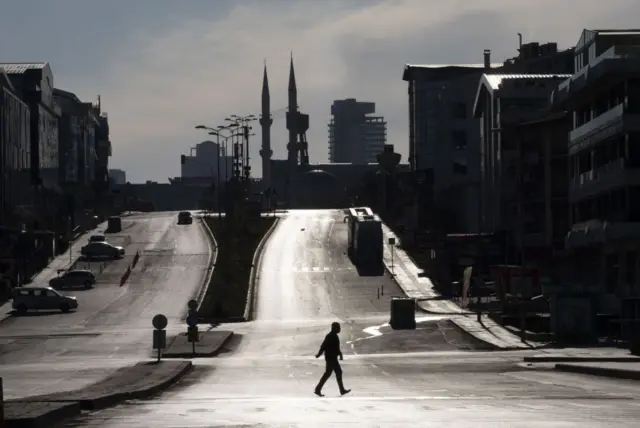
x=243, y=122
x=216, y=131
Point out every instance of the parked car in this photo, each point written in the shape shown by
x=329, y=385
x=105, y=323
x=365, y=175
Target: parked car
x=102, y=250
x=97, y=238
x=74, y=278
x=41, y=298
x=185, y=217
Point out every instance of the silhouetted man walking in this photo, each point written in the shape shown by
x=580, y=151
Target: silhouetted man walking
x=331, y=350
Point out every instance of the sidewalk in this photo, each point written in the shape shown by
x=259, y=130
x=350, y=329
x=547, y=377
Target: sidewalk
x=410, y=278
x=60, y=262
x=584, y=355
x=63, y=261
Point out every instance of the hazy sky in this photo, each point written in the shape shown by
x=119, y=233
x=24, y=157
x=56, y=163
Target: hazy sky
x=163, y=66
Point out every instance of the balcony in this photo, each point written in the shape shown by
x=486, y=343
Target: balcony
x=596, y=232
x=608, y=124
x=603, y=179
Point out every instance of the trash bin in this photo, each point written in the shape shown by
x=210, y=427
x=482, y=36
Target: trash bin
x=114, y=224
x=403, y=313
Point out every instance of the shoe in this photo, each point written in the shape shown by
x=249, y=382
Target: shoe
x=346, y=391
x=318, y=393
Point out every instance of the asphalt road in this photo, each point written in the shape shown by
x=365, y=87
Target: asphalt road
x=48, y=352
x=454, y=389
x=421, y=378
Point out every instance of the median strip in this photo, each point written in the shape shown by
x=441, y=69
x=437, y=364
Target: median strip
x=229, y=289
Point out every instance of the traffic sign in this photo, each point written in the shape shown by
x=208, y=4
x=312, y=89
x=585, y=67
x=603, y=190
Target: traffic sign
x=192, y=320
x=159, y=322
x=193, y=304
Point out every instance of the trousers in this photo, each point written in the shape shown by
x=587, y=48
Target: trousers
x=332, y=366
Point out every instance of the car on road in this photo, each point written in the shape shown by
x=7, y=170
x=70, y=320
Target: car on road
x=102, y=250
x=74, y=278
x=185, y=217
x=41, y=298
x=97, y=238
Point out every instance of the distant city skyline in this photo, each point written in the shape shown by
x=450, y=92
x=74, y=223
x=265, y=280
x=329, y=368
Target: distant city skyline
x=162, y=67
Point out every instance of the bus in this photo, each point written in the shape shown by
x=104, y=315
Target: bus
x=365, y=244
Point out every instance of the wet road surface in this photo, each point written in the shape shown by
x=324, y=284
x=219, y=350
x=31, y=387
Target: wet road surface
x=422, y=378
x=47, y=352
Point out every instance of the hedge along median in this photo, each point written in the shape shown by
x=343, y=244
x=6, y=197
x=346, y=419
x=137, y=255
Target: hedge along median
x=227, y=291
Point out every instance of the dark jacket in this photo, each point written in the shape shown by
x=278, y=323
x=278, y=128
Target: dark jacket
x=331, y=346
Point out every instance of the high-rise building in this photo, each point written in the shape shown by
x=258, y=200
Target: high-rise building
x=354, y=136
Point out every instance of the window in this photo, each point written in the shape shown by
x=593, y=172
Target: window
x=459, y=140
x=459, y=110
x=460, y=167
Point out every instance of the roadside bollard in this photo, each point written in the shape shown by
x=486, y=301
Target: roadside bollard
x=382, y=290
x=378, y=290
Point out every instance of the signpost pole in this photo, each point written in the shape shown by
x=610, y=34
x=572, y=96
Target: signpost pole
x=159, y=333
x=192, y=323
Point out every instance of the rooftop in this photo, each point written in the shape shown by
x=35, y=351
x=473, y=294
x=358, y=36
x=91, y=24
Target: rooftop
x=494, y=80
x=412, y=70
x=21, y=67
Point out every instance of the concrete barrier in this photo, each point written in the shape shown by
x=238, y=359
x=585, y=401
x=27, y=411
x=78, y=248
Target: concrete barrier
x=253, y=275
x=213, y=259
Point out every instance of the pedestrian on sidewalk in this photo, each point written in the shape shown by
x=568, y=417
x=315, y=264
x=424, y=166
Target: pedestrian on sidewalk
x=331, y=349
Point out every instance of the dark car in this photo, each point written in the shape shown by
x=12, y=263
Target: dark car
x=185, y=217
x=94, y=250
x=73, y=278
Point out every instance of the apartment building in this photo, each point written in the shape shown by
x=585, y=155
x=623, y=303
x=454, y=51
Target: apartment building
x=603, y=98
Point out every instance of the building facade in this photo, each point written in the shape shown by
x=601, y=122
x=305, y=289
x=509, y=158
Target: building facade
x=103, y=150
x=117, y=176
x=15, y=157
x=444, y=136
x=205, y=162
x=503, y=101
x=34, y=83
x=603, y=98
x=541, y=205
x=354, y=136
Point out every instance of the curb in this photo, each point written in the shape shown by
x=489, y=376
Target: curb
x=46, y=419
x=213, y=258
x=157, y=388
x=567, y=359
x=488, y=343
x=253, y=275
x=189, y=355
x=74, y=407
x=599, y=371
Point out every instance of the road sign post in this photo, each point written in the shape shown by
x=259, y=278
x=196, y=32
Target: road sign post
x=192, y=323
x=159, y=333
x=392, y=243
